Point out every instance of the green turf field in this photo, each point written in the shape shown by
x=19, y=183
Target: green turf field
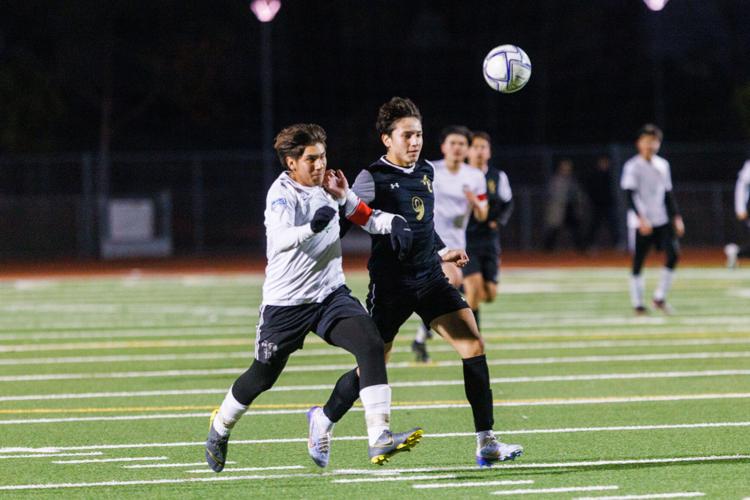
x=106, y=385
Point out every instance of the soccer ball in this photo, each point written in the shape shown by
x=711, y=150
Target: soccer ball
x=506, y=68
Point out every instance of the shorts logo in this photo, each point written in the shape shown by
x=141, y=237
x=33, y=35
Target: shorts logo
x=418, y=206
x=265, y=350
x=427, y=182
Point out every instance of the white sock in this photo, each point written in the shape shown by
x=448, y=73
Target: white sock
x=323, y=420
x=377, y=402
x=421, y=335
x=665, y=283
x=637, y=290
x=483, y=436
x=230, y=412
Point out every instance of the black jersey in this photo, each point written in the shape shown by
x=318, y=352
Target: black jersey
x=499, y=197
x=406, y=192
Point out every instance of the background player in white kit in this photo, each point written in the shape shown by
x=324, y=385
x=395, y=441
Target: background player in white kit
x=741, y=207
x=653, y=216
x=304, y=291
x=460, y=192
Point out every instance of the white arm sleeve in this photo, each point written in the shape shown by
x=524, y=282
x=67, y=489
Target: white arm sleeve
x=503, y=190
x=364, y=186
x=629, y=180
x=742, y=189
x=668, y=180
x=281, y=233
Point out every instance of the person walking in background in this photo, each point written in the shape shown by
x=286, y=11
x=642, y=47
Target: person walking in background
x=653, y=216
x=566, y=206
x=599, y=186
x=741, y=206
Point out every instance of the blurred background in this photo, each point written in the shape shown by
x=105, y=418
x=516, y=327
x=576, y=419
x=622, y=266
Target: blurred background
x=145, y=128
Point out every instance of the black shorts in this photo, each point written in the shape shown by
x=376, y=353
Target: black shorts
x=485, y=261
x=390, y=305
x=282, y=329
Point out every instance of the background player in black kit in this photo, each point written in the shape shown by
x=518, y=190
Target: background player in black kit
x=483, y=238
x=400, y=183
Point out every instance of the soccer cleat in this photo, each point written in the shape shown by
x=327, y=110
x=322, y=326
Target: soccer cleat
x=662, y=305
x=420, y=352
x=491, y=450
x=318, y=438
x=731, y=251
x=640, y=311
x=216, y=446
x=388, y=444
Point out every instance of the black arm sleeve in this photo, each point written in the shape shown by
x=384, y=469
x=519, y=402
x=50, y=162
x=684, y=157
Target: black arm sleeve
x=439, y=244
x=631, y=201
x=671, y=204
x=344, y=224
x=506, y=210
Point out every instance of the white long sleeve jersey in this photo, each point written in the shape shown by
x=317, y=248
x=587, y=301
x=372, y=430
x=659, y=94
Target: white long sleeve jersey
x=305, y=267
x=742, y=189
x=649, y=182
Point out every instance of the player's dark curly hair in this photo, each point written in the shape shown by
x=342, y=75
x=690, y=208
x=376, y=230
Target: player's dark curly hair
x=651, y=129
x=480, y=134
x=457, y=130
x=392, y=111
x=292, y=140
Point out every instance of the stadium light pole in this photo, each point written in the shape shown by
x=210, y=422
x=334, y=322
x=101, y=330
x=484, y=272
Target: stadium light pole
x=265, y=11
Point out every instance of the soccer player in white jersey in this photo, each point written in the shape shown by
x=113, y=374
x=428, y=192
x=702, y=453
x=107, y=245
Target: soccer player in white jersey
x=653, y=216
x=460, y=193
x=305, y=291
x=741, y=205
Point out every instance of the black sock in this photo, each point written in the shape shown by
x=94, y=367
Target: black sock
x=476, y=316
x=478, y=391
x=344, y=394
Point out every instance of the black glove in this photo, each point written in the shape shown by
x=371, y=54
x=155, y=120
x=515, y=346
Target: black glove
x=322, y=217
x=401, y=237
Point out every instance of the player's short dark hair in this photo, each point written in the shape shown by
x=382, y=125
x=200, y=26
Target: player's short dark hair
x=457, y=130
x=480, y=134
x=392, y=111
x=652, y=130
x=292, y=140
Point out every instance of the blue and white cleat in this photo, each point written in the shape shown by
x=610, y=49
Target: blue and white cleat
x=318, y=437
x=216, y=446
x=388, y=444
x=490, y=451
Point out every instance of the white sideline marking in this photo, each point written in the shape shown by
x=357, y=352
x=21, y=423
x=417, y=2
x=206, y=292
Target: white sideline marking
x=246, y=469
x=105, y=460
x=53, y=455
x=520, y=346
x=415, y=383
x=553, y=490
x=380, y=478
x=152, y=481
x=472, y=484
x=318, y=368
x=122, y=344
x=550, y=402
x=159, y=466
x=686, y=494
x=187, y=331
x=362, y=438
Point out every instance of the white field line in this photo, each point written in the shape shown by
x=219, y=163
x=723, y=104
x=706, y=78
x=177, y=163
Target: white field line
x=257, y=477
x=552, y=465
x=415, y=383
x=397, y=478
x=473, y=484
x=124, y=344
x=442, y=406
x=53, y=455
x=236, y=442
x=522, y=346
x=194, y=464
x=679, y=494
x=537, y=491
x=244, y=469
x=107, y=460
x=438, y=364
x=130, y=308
x=187, y=331
x=624, y=330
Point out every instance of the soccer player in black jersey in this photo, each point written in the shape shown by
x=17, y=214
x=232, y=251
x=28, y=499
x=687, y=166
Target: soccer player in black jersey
x=400, y=183
x=483, y=237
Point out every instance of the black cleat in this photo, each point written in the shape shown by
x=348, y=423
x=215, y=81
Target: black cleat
x=388, y=444
x=216, y=446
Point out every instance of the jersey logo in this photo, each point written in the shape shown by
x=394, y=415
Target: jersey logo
x=427, y=182
x=491, y=186
x=418, y=205
x=278, y=204
x=395, y=185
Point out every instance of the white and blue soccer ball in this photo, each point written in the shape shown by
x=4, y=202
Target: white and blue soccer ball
x=506, y=68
